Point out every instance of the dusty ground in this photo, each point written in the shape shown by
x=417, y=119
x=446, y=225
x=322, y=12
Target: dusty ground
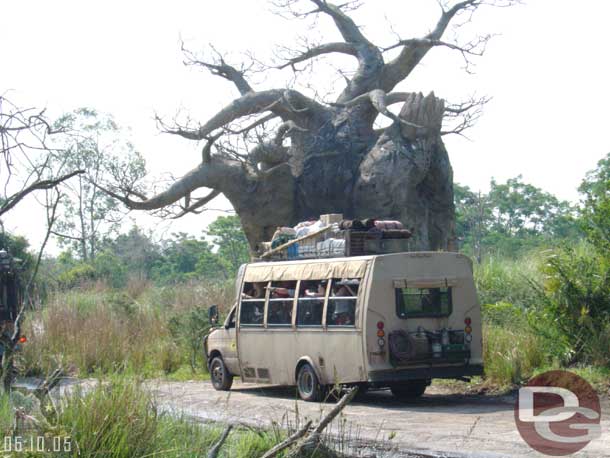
x=440, y=423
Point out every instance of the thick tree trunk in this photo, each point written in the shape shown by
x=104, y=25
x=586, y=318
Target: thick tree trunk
x=336, y=162
x=348, y=168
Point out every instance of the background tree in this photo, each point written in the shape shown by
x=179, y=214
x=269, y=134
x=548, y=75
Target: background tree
x=281, y=155
x=231, y=241
x=28, y=165
x=93, y=143
x=595, y=212
x=514, y=216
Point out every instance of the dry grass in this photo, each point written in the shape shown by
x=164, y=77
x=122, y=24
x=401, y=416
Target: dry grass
x=98, y=330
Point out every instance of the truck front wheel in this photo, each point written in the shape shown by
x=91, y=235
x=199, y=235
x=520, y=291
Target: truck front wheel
x=219, y=374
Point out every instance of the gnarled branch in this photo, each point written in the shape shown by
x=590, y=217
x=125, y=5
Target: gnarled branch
x=194, y=207
x=327, y=48
x=286, y=103
x=414, y=50
x=219, y=174
x=37, y=185
x=220, y=68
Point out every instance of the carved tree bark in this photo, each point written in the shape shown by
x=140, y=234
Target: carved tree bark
x=335, y=162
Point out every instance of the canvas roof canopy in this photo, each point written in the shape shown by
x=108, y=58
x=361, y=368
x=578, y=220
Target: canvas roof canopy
x=263, y=272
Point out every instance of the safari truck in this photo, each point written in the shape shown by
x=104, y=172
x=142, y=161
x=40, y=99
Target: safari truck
x=383, y=321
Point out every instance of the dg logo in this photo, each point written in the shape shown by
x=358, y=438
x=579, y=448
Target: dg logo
x=558, y=413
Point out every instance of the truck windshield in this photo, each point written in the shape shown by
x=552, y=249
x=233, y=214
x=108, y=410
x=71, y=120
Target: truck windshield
x=423, y=302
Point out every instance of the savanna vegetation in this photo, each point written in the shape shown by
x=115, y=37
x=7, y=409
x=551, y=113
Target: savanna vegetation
x=120, y=305
x=140, y=307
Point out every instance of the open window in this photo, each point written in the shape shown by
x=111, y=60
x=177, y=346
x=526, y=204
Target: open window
x=252, y=308
x=310, y=305
x=342, y=301
x=423, y=302
x=281, y=299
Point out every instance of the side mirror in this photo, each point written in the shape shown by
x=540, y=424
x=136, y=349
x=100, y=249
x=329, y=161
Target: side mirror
x=213, y=314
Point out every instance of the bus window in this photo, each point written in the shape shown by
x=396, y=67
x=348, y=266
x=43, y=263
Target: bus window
x=311, y=302
x=252, y=304
x=341, y=310
x=423, y=302
x=280, y=303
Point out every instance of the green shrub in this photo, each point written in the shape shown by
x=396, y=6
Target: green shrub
x=575, y=301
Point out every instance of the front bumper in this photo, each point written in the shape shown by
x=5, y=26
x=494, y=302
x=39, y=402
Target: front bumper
x=423, y=373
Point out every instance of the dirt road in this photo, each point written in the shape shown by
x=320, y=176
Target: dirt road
x=438, y=424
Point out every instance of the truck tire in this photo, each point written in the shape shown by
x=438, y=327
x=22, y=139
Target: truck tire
x=409, y=390
x=220, y=375
x=308, y=385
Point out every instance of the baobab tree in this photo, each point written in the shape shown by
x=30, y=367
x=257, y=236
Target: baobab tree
x=281, y=156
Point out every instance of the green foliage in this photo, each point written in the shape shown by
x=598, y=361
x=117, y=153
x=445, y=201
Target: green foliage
x=575, y=298
x=511, y=353
x=135, y=256
x=94, y=143
x=189, y=329
x=6, y=414
x=183, y=257
x=596, y=210
x=504, y=280
x=233, y=248
x=512, y=219
x=18, y=247
x=99, y=330
x=118, y=419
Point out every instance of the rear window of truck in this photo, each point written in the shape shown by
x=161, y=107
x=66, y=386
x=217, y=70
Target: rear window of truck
x=423, y=302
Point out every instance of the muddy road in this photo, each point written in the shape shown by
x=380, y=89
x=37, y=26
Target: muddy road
x=441, y=423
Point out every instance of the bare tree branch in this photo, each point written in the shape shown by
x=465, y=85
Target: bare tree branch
x=218, y=174
x=462, y=116
x=38, y=185
x=414, y=50
x=194, y=207
x=316, y=51
x=220, y=68
x=286, y=103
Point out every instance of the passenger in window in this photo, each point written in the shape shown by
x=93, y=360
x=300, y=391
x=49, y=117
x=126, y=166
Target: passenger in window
x=346, y=288
x=344, y=313
x=319, y=289
x=284, y=289
x=280, y=313
x=253, y=291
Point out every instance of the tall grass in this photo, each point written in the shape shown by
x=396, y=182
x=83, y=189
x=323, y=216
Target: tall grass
x=511, y=355
x=119, y=419
x=508, y=280
x=139, y=330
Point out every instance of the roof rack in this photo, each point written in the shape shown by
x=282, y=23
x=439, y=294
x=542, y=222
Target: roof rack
x=332, y=242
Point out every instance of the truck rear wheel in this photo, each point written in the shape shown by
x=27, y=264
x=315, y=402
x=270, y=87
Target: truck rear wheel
x=308, y=384
x=409, y=390
x=219, y=375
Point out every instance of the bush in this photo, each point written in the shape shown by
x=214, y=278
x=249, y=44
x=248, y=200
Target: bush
x=575, y=298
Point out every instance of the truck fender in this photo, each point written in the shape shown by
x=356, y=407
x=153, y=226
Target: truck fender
x=316, y=368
